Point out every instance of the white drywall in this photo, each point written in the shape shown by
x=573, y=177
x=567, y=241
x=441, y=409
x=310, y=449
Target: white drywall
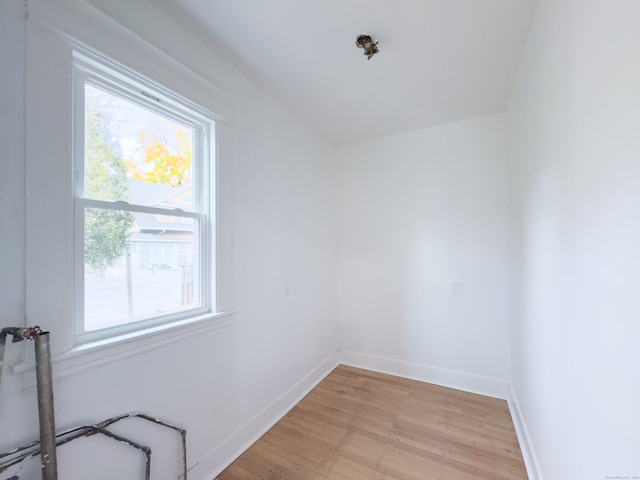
x=417, y=213
x=12, y=188
x=12, y=194
x=412, y=215
x=574, y=179
x=217, y=383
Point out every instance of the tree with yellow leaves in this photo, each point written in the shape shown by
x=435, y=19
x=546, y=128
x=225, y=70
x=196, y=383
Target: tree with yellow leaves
x=167, y=158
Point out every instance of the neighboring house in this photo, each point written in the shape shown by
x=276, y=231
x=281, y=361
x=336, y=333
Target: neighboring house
x=160, y=241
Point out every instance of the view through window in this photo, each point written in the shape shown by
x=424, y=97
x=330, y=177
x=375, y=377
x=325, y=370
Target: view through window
x=139, y=208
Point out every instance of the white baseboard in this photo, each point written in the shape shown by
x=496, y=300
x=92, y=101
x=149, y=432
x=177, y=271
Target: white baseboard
x=526, y=447
x=491, y=387
x=231, y=448
x=467, y=382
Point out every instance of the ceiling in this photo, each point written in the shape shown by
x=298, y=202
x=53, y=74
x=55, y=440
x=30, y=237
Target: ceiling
x=439, y=60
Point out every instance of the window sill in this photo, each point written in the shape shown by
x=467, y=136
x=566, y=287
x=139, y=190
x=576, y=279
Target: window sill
x=95, y=354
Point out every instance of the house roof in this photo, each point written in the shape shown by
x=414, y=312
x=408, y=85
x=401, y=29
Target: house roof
x=162, y=196
x=157, y=195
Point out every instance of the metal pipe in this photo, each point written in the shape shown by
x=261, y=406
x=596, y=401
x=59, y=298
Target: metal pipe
x=23, y=453
x=45, y=407
x=1, y=359
x=181, y=431
x=92, y=429
x=46, y=446
x=85, y=431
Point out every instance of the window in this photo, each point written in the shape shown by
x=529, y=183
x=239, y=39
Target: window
x=82, y=297
x=142, y=168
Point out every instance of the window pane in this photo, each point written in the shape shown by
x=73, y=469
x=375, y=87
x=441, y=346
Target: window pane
x=141, y=264
x=134, y=154
x=138, y=266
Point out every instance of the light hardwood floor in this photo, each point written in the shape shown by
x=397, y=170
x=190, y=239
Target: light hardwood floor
x=361, y=425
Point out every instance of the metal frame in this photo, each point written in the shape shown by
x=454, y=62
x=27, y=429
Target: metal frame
x=49, y=440
x=24, y=453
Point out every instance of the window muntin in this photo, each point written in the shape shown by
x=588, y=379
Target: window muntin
x=141, y=218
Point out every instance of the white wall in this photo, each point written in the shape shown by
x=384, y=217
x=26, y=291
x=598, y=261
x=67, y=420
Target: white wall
x=12, y=192
x=415, y=213
x=575, y=234
x=12, y=188
x=224, y=385
x=412, y=214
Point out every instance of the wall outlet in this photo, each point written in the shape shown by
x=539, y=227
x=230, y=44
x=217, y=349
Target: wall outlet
x=456, y=289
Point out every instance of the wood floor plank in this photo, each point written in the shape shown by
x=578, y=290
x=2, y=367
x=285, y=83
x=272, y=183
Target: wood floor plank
x=363, y=425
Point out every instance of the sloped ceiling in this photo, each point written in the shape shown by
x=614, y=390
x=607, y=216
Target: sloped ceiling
x=439, y=60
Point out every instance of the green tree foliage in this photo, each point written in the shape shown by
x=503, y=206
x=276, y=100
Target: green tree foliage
x=106, y=235
x=105, y=178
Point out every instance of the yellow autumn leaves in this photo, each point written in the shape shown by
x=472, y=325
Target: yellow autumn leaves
x=167, y=158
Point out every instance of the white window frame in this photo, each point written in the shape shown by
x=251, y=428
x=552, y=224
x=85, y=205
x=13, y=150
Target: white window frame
x=125, y=83
x=53, y=37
